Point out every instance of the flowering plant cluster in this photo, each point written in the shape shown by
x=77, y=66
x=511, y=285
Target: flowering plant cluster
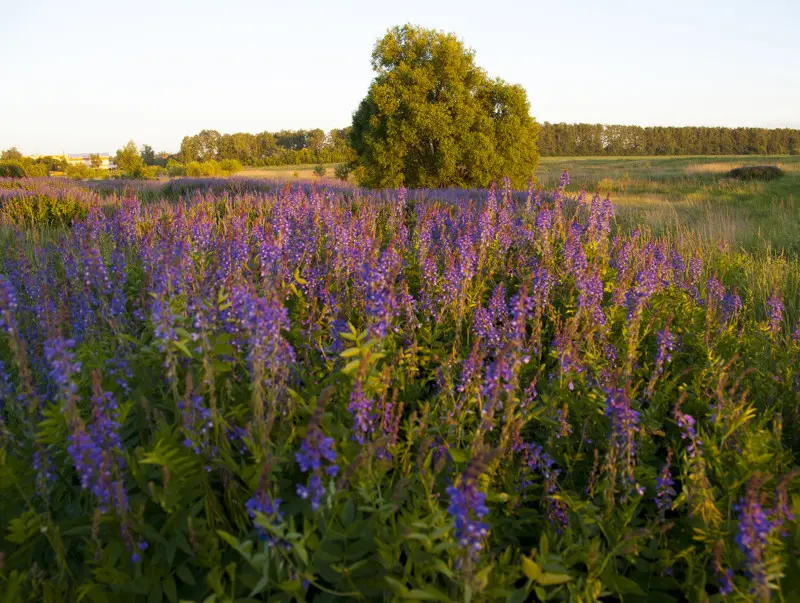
x=302, y=394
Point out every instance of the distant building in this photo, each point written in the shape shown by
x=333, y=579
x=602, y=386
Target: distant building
x=85, y=159
x=106, y=160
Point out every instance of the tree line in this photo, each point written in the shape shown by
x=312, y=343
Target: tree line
x=287, y=147
x=566, y=140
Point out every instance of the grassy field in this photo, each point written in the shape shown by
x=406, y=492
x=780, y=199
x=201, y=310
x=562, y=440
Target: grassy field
x=285, y=172
x=692, y=196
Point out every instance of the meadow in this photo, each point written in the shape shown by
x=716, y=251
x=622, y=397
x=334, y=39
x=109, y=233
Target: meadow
x=250, y=390
x=692, y=196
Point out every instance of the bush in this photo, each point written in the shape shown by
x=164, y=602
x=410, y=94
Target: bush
x=756, y=172
x=342, y=171
x=12, y=169
x=175, y=169
x=231, y=166
x=193, y=169
x=320, y=171
x=79, y=172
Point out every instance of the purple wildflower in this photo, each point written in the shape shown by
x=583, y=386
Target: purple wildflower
x=316, y=455
x=261, y=503
x=538, y=462
x=624, y=425
x=665, y=347
x=63, y=367
x=687, y=424
x=775, y=304
x=754, y=530
x=665, y=488
x=564, y=181
x=362, y=409
x=468, y=508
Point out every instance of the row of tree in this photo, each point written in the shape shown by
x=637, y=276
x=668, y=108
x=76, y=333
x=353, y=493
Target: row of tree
x=286, y=147
x=567, y=140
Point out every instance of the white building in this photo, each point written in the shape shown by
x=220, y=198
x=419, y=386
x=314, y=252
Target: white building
x=86, y=159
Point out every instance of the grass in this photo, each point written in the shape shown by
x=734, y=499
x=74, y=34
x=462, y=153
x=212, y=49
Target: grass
x=286, y=172
x=688, y=196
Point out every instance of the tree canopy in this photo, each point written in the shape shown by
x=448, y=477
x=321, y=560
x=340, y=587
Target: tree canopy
x=129, y=161
x=268, y=148
x=597, y=139
x=433, y=118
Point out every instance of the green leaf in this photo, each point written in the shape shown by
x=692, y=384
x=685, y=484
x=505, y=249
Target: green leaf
x=260, y=586
x=185, y=574
x=459, y=455
x=548, y=579
x=170, y=590
x=348, y=512
x=620, y=584
x=417, y=594
x=351, y=366
x=24, y=527
x=398, y=586
x=182, y=347
x=530, y=568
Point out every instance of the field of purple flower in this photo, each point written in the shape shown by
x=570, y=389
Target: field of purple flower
x=297, y=393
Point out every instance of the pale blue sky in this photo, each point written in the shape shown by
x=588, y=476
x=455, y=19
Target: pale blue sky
x=83, y=76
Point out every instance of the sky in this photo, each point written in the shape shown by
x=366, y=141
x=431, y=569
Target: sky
x=81, y=77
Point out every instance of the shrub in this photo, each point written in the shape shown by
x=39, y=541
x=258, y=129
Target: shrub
x=231, y=166
x=756, y=172
x=210, y=168
x=12, y=169
x=342, y=171
x=175, y=169
x=193, y=169
x=79, y=172
x=320, y=170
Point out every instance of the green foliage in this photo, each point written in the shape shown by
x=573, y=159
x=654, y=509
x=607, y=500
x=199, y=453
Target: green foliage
x=22, y=168
x=230, y=166
x=320, y=171
x=49, y=164
x=95, y=160
x=148, y=155
x=342, y=171
x=129, y=161
x=11, y=154
x=570, y=140
x=175, y=169
x=287, y=147
x=756, y=172
x=12, y=169
x=79, y=171
x=433, y=118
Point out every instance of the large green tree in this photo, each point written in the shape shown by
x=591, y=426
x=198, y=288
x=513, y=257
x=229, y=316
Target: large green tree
x=129, y=161
x=433, y=118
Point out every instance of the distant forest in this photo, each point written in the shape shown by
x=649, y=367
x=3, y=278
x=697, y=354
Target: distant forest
x=289, y=147
x=568, y=140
